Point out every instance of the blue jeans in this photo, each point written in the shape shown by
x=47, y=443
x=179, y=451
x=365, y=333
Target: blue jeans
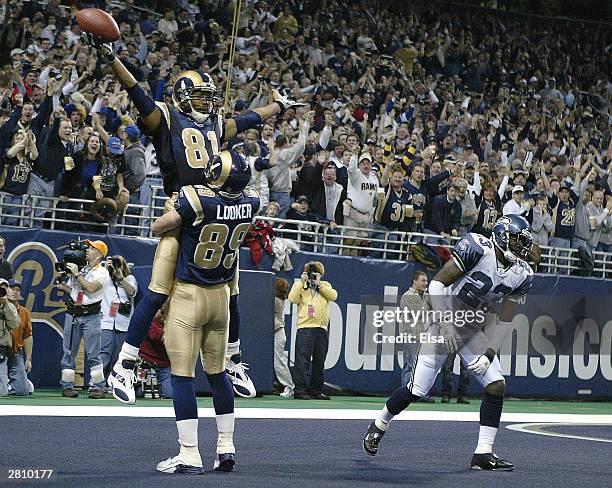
x=134, y=200
x=111, y=343
x=331, y=239
x=409, y=352
x=4, y=380
x=90, y=329
x=18, y=377
x=164, y=382
x=561, y=242
x=146, y=196
x=381, y=245
x=6, y=210
x=284, y=202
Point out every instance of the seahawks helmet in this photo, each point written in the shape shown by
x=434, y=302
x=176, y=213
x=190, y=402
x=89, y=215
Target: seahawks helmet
x=227, y=173
x=511, y=234
x=195, y=95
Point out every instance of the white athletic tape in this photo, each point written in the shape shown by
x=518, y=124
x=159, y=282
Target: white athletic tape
x=97, y=374
x=67, y=375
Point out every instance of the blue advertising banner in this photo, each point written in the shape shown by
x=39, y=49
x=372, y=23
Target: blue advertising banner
x=560, y=346
x=33, y=253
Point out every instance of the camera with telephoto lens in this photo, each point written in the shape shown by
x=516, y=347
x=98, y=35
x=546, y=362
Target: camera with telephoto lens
x=75, y=253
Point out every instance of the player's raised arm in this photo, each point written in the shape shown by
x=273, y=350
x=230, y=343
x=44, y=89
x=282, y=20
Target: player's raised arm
x=253, y=118
x=150, y=113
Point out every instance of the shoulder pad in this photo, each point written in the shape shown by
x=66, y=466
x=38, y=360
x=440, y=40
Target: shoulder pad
x=250, y=192
x=204, y=191
x=470, y=250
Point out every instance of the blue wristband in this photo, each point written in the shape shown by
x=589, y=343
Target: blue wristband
x=143, y=102
x=247, y=121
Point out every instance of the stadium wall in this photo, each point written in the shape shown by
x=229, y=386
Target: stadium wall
x=560, y=347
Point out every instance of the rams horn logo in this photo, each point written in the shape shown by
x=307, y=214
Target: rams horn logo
x=34, y=266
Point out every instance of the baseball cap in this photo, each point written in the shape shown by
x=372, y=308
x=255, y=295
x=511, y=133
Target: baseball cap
x=469, y=165
x=99, y=245
x=115, y=146
x=132, y=131
x=17, y=51
x=302, y=198
x=365, y=155
x=518, y=188
x=13, y=282
x=3, y=282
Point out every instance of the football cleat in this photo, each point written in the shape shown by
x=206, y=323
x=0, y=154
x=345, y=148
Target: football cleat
x=490, y=462
x=181, y=465
x=122, y=379
x=284, y=101
x=372, y=439
x=242, y=384
x=225, y=462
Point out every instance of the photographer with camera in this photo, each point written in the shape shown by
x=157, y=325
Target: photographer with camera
x=312, y=297
x=9, y=320
x=117, y=309
x=85, y=287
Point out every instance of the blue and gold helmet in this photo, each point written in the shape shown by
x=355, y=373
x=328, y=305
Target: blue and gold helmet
x=512, y=235
x=228, y=173
x=195, y=94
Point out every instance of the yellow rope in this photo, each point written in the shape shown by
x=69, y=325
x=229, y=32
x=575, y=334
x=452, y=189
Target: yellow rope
x=232, y=54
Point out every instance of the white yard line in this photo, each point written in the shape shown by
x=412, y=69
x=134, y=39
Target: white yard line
x=538, y=428
x=294, y=413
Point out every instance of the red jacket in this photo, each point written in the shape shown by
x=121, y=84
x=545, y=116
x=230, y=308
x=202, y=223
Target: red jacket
x=152, y=349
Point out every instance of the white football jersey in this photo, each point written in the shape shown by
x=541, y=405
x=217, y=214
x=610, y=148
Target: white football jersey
x=484, y=282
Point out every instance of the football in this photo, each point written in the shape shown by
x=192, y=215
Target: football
x=99, y=23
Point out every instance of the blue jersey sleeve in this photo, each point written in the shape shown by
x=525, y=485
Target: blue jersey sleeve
x=189, y=206
x=467, y=252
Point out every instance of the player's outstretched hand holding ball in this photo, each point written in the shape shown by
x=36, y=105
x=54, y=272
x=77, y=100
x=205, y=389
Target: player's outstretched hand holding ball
x=99, y=30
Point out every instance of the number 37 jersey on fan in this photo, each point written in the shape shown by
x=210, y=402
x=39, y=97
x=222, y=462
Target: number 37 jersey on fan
x=485, y=282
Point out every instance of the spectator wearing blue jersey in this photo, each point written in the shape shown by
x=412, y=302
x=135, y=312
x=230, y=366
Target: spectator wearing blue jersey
x=446, y=214
x=15, y=167
x=420, y=188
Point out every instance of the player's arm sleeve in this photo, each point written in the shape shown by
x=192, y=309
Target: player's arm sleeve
x=189, y=206
x=521, y=290
x=467, y=253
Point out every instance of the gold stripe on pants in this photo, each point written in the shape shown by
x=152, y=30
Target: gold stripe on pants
x=197, y=322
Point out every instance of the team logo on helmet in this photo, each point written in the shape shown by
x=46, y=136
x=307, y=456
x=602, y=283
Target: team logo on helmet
x=227, y=173
x=512, y=235
x=195, y=94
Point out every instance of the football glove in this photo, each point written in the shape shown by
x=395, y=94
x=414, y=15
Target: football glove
x=285, y=102
x=447, y=331
x=479, y=365
x=104, y=48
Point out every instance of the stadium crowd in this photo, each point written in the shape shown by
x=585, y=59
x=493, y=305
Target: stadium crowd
x=425, y=118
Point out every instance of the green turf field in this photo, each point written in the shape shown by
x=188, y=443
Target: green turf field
x=54, y=398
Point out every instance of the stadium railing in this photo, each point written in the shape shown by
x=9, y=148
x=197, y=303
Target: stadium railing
x=310, y=236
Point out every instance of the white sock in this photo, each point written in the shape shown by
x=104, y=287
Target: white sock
x=225, y=427
x=188, y=439
x=233, y=348
x=128, y=352
x=486, y=438
x=382, y=422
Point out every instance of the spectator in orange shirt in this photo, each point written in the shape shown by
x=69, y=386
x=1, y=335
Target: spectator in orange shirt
x=20, y=362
